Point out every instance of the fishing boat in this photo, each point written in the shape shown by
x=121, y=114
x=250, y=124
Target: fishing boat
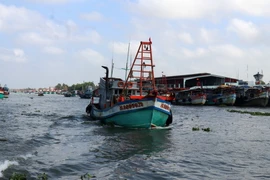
x=68, y=94
x=87, y=94
x=1, y=93
x=40, y=93
x=257, y=96
x=6, y=91
x=192, y=96
x=133, y=103
x=221, y=95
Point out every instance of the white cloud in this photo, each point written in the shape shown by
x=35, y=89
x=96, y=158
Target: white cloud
x=185, y=37
x=196, y=9
x=12, y=55
x=252, y=7
x=53, y=50
x=91, y=56
x=52, y=1
x=93, y=16
x=13, y=18
x=35, y=38
x=226, y=50
x=119, y=47
x=90, y=36
x=209, y=36
x=244, y=29
x=173, y=9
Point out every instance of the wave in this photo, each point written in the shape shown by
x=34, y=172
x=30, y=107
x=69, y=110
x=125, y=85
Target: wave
x=25, y=157
x=5, y=165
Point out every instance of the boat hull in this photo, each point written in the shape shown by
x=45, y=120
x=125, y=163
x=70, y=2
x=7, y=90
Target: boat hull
x=260, y=100
x=192, y=100
x=144, y=113
x=221, y=99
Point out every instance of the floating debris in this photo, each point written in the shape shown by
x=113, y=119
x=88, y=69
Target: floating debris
x=43, y=176
x=88, y=176
x=17, y=176
x=3, y=139
x=203, y=129
x=195, y=129
x=206, y=129
x=249, y=112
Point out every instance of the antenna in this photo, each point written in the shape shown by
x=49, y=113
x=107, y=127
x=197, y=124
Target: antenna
x=130, y=60
x=127, y=60
x=112, y=61
x=247, y=72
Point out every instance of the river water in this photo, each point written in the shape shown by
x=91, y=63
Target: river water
x=52, y=135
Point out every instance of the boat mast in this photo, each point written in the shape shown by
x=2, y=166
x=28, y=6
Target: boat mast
x=127, y=60
x=112, y=63
x=142, y=69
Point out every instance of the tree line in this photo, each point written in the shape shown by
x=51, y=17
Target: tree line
x=79, y=86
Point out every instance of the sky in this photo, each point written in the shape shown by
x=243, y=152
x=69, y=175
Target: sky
x=46, y=42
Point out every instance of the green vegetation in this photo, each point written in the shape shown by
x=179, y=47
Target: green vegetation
x=195, y=129
x=17, y=176
x=43, y=176
x=88, y=176
x=203, y=129
x=206, y=129
x=80, y=87
x=249, y=112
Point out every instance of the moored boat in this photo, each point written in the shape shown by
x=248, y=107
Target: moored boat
x=191, y=96
x=251, y=96
x=6, y=91
x=221, y=95
x=40, y=93
x=130, y=104
x=1, y=93
x=68, y=94
x=87, y=94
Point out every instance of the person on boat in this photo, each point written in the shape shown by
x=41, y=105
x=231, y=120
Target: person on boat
x=121, y=98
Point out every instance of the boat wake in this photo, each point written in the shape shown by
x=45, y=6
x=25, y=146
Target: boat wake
x=5, y=165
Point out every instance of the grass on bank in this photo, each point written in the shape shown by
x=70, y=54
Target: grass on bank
x=249, y=112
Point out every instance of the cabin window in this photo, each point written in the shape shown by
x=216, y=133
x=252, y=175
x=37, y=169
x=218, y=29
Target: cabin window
x=129, y=92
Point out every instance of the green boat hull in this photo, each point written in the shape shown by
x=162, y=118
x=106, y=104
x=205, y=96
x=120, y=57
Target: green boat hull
x=149, y=114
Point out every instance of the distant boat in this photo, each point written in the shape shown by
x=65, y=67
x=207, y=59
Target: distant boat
x=125, y=104
x=87, y=94
x=69, y=94
x=1, y=93
x=40, y=94
x=6, y=91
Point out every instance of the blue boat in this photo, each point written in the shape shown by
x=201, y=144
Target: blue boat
x=221, y=95
x=1, y=93
x=87, y=94
x=129, y=103
x=6, y=91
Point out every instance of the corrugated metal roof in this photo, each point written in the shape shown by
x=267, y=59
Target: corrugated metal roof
x=195, y=75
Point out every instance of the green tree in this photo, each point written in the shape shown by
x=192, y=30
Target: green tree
x=58, y=86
